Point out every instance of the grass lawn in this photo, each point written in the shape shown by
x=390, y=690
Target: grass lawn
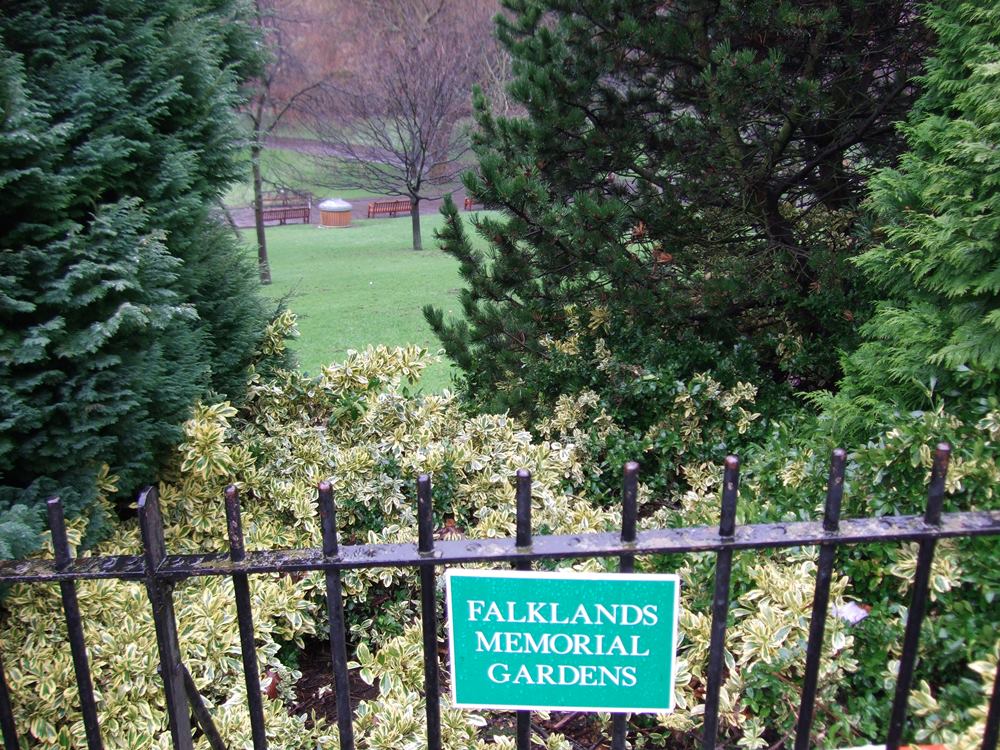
x=362, y=285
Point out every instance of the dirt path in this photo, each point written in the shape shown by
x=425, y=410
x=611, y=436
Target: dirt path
x=243, y=215
x=316, y=148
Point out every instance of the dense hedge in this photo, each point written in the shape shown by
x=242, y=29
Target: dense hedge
x=352, y=425
x=122, y=301
x=695, y=168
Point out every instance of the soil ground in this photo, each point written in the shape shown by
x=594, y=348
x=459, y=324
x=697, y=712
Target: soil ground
x=313, y=695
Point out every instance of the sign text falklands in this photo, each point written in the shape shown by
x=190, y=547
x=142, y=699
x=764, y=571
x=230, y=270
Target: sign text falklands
x=562, y=641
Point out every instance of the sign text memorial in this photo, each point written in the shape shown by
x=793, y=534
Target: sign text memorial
x=562, y=641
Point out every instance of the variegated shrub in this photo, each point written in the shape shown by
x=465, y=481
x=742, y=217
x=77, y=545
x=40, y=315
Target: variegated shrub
x=354, y=426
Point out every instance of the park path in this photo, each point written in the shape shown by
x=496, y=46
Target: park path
x=316, y=148
x=243, y=215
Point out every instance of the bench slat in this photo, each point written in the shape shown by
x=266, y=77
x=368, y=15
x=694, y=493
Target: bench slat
x=286, y=213
x=378, y=208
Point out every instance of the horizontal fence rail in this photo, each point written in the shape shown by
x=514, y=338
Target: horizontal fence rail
x=603, y=544
x=160, y=572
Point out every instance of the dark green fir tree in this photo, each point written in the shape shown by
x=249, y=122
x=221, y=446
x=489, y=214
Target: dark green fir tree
x=122, y=301
x=693, y=171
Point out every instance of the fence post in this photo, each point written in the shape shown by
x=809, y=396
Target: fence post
x=626, y=564
x=244, y=618
x=428, y=610
x=74, y=625
x=720, y=602
x=523, y=542
x=918, y=602
x=991, y=732
x=335, y=611
x=162, y=598
x=202, y=716
x=6, y=713
x=821, y=598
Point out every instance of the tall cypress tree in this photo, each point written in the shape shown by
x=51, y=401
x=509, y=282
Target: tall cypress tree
x=692, y=168
x=122, y=301
x=937, y=330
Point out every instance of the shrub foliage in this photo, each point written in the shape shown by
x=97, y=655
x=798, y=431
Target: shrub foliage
x=354, y=426
x=122, y=301
x=936, y=333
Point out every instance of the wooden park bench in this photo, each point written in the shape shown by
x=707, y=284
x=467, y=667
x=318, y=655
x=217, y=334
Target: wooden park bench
x=470, y=204
x=285, y=206
x=388, y=208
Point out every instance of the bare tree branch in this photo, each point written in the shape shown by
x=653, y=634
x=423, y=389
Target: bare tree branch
x=282, y=86
x=398, y=125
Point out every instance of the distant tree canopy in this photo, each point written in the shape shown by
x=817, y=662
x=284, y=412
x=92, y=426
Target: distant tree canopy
x=276, y=94
x=122, y=301
x=691, y=170
x=396, y=124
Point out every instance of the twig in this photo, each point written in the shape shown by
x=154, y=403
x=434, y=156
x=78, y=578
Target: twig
x=564, y=721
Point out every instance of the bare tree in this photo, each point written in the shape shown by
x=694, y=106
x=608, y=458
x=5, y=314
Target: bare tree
x=283, y=85
x=398, y=125
x=497, y=73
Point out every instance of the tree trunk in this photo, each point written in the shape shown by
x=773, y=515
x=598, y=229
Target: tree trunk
x=230, y=221
x=415, y=218
x=263, y=264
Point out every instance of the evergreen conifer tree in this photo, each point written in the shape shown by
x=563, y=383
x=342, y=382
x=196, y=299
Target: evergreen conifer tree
x=937, y=331
x=693, y=170
x=122, y=301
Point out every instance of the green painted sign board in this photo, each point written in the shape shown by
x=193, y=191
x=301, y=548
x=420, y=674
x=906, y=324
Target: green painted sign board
x=563, y=641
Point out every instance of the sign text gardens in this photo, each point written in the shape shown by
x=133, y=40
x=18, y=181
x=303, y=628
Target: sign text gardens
x=563, y=641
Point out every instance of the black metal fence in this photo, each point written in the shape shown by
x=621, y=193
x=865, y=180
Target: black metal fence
x=160, y=571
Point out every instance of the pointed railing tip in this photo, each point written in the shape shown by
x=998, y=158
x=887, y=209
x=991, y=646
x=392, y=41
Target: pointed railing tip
x=630, y=490
x=732, y=462
x=231, y=492
x=144, y=494
x=425, y=515
x=523, y=474
x=943, y=448
x=325, y=486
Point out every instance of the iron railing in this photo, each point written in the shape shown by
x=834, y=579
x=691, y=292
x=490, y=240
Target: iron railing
x=160, y=571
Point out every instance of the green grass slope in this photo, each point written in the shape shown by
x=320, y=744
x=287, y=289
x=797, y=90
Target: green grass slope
x=361, y=285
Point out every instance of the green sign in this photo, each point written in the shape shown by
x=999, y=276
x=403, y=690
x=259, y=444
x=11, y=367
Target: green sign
x=562, y=641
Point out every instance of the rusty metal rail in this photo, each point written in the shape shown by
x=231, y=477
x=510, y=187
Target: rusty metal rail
x=604, y=544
